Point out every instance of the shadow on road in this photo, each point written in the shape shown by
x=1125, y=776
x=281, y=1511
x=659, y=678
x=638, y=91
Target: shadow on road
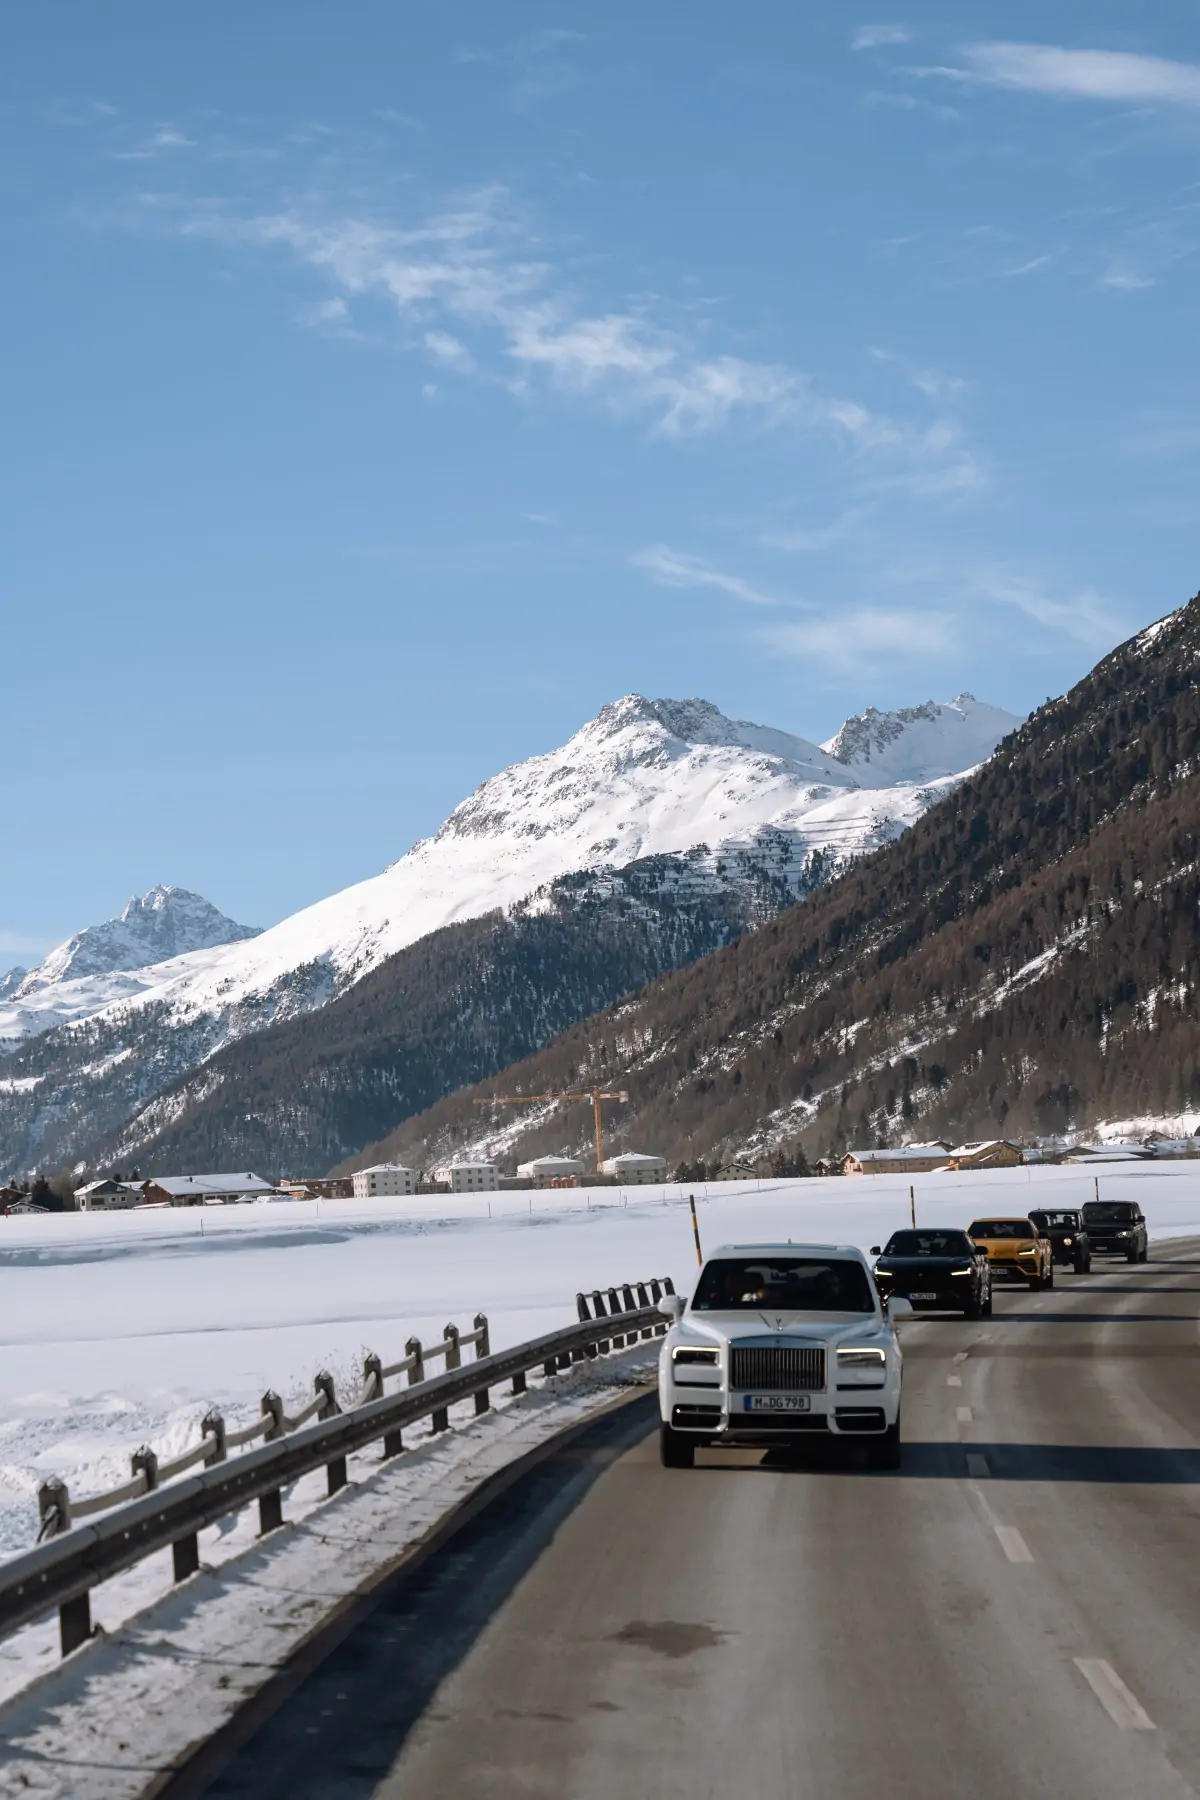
x=1114, y=1464
x=335, y=1726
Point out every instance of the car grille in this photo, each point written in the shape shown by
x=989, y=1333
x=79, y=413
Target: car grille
x=777, y=1366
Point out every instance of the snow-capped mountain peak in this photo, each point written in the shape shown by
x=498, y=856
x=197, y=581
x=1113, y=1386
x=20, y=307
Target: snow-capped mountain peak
x=920, y=743
x=166, y=922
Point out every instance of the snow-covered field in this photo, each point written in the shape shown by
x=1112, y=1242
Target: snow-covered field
x=122, y=1329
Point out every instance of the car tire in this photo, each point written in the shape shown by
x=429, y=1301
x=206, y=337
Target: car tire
x=677, y=1451
x=1049, y=1281
x=1132, y=1255
x=985, y=1311
x=885, y=1452
x=1145, y=1256
x=973, y=1309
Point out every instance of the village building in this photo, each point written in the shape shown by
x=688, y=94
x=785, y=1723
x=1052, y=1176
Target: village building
x=206, y=1190
x=469, y=1177
x=990, y=1153
x=382, y=1179
x=324, y=1187
x=552, y=1171
x=108, y=1195
x=633, y=1167
x=898, y=1159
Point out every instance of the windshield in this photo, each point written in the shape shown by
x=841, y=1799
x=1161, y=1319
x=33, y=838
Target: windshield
x=929, y=1243
x=784, y=1284
x=1110, y=1212
x=1002, y=1228
x=1048, y=1220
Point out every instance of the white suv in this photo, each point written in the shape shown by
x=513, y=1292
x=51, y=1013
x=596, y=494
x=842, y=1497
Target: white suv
x=779, y=1343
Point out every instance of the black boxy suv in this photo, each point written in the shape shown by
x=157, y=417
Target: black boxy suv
x=1068, y=1236
x=1117, y=1228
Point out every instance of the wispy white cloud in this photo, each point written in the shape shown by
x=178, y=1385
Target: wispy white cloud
x=676, y=569
x=935, y=383
x=1082, y=74
x=466, y=286
x=864, y=637
x=870, y=37
x=1085, y=616
x=1124, y=278
x=161, y=143
x=449, y=351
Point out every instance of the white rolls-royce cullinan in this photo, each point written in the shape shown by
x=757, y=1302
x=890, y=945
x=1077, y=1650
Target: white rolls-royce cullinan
x=777, y=1343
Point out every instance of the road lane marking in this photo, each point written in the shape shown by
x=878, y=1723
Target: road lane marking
x=1013, y=1544
x=977, y=1465
x=954, y=1381
x=1122, y=1707
x=961, y=1355
x=964, y=1415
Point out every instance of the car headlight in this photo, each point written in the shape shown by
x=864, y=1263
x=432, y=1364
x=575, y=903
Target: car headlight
x=1027, y=1250
x=884, y=1274
x=691, y=1353
x=1068, y=1240
x=860, y=1355
x=962, y=1271
x=1124, y=1234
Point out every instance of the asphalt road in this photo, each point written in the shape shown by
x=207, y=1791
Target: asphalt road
x=1016, y=1613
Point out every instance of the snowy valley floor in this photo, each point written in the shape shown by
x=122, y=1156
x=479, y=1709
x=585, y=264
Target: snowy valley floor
x=118, y=1330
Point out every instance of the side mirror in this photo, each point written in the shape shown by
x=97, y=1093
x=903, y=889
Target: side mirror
x=671, y=1306
x=875, y=1250
x=898, y=1307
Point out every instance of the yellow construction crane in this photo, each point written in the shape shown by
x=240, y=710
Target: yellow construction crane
x=595, y=1095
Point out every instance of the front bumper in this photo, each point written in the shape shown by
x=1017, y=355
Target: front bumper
x=853, y=1411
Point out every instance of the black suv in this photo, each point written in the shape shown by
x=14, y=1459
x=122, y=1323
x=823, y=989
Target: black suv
x=1117, y=1228
x=1068, y=1237
x=938, y=1270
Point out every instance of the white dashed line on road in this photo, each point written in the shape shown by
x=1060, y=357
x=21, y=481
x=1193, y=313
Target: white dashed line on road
x=1122, y=1707
x=964, y=1415
x=1013, y=1544
x=977, y=1465
x=961, y=1355
x=954, y=1381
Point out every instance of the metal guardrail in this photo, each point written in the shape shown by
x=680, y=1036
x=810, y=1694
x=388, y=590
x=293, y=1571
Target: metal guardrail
x=143, y=1516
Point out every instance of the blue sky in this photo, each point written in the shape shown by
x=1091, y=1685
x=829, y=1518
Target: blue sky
x=385, y=387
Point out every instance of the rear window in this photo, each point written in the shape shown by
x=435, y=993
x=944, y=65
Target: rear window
x=929, y=1243
x=1110, y=1212
x=784, y=1284
x=1002, y=1228
x=1047, y=1220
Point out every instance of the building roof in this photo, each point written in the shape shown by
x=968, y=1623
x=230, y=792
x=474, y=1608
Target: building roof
x=467, y=1164
x=212, y=1184
x=107, y=1181
x=385, y=1169
x=634, y=1156
x=902, y=1153
x=541, y=1163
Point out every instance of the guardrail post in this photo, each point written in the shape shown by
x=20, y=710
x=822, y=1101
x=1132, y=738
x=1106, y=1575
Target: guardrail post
x=581, y=1307
x=668, y=1285
x=272, y=1408
x=145, y=1462
x=270, y=1506
x=270, y=1512
x=335, y=1471
x=601, y=1311
x=75, y=1622
x=656, y=1291
x=519, y=1384
x=393, y=1441
x=372, y=1388
x=482, y=1348
x=614, y=1307
x=185, y=1556
x=550, y=1366
x=630, y=1302
x=212, y=1425
x=54, y=1508
x=441, y=1418
x=644, y=1300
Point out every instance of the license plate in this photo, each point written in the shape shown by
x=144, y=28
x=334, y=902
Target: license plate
x=922, y=1296
x=776, y=1403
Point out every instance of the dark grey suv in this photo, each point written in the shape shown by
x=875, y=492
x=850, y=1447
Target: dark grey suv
x=1116, y=1228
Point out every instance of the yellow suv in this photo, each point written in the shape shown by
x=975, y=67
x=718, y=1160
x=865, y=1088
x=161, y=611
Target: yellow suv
x=1016, y=1247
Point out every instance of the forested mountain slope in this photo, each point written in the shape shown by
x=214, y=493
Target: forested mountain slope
x=1025, y=957
x=461, y=1003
